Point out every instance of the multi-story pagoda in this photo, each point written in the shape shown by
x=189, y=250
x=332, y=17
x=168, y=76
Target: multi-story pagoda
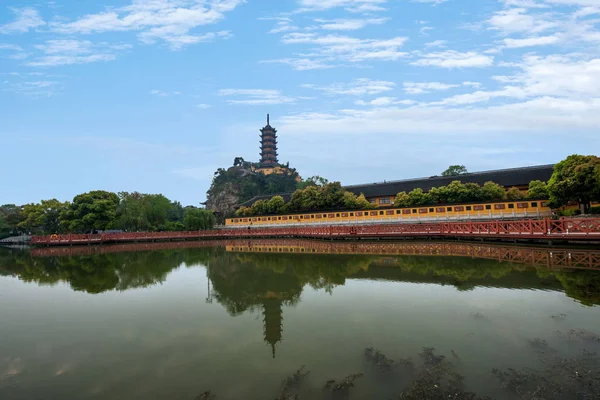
x=268, y=146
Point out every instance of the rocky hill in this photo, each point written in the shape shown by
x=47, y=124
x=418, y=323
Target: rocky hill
x=241, y=182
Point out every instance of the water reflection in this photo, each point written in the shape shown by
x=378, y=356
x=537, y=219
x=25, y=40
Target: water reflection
x=397, y=297
x=247, y=273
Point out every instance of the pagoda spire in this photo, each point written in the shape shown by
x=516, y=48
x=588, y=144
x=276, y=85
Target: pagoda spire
x=268, y=146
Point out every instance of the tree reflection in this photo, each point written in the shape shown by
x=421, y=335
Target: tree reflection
x=246, y=280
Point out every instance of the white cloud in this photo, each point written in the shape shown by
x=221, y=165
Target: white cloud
x=301, y=64
x=348, y=49
x=256, y=96
x=348, y=24
x=426, y=87
x=69, y=51
x=517, y=20
x=12, y=47
x=349, y=5
x=436, y=43
x=384, y=101
x=170, y=20
x=530, y=42
x=26, y=19
x=283, y=26
x=358, y=87
x=203, y=106
x=454, y=59
x=163, y=93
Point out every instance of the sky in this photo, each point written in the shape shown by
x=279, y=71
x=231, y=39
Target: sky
x=155, y=95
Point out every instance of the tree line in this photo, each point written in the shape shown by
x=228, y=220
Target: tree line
x=575, y=180
x=100, y=210
x=318, y=196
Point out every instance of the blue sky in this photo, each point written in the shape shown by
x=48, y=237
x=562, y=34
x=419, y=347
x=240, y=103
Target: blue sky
x=155, y=95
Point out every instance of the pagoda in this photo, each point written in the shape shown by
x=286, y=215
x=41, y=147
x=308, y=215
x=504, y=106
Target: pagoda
x=268, y=146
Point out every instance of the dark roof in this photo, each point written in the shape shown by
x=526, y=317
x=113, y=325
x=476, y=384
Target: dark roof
x=504, y=177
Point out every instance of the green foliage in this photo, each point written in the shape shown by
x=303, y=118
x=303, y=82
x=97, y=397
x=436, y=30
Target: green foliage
x=575, y=179
x=537, y=190
x=275, y=205
x=491, y=191
x=402, y=200
x=455, y=170
x=328, y=196
x=362, y=202
x=198, y=219
x=568, y=213
x=43, y=217
x=95, y=210
x=246, y=184
x=514, y=194
x=312, y=181
x=594, y=210
x=11, y=216
x=417, y=197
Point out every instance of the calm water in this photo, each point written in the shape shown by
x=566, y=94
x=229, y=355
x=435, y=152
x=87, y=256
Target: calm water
x=238, y=318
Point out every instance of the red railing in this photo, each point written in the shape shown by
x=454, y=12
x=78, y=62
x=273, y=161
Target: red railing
x=565, y=228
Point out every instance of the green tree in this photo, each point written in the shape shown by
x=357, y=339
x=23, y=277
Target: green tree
x=537, y=190
x=332, y=195
x=130, y=212
x=417, y=197
x=198, y=219
x=156, y=208
x=575, y=179
x=350, y=200
x=455, y=170
x=275, y=205
x=5, y=229
x=243, y=211
x=43, y=217
x=176, y=212
x=514, y=194
x=259, y=207
x=312, y=181
x=12, y=215
x=402, y=200
x=362, y=202
x=95, y=210
x=492, y=191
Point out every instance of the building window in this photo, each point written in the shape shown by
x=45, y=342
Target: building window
x=422, y=211
x=414, y=210
x=468, y=208
x=384, y=200
x=499, y=206
x=459, y=208
x=398, y=211
x=431, y=209
x=534, y=204
x=352, y=214
x=372, y=201
x=380, y=212
x=488, y=206
x=511, y=205
x=440, y=209
x=337, y=215
x=389, y=212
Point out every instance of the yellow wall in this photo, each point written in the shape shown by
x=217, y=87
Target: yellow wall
x=504, y=208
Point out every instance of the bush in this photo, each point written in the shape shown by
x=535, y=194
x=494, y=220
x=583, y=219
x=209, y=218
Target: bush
x=595, y=210
x=568, y=213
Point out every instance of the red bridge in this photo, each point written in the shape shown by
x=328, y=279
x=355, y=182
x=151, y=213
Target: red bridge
x=564, y=229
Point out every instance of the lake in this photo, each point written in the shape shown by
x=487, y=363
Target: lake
x=357, y=320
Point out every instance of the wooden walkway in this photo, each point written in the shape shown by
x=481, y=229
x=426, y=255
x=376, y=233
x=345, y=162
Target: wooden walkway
x=564, y=229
